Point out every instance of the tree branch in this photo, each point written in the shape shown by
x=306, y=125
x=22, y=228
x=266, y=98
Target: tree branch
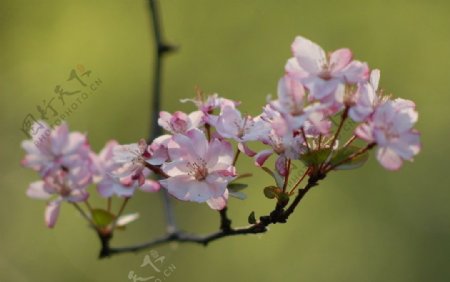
x=161, y=48
x=278, y=215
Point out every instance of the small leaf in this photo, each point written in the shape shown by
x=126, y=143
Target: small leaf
x=345, y=153
x=278, y=179
x=235, y=187
x=251, y=218
x=316, y=157
x=102, y=218
x=271, y=192
x=237, y=195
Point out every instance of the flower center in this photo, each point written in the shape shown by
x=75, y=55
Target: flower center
x=198, y=170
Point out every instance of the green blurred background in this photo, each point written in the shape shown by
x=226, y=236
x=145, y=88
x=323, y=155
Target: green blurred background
x=364, y=225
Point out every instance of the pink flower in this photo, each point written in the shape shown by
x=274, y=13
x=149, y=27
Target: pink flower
x=199, y=171
x=231, y=124
x=52, y=150
x=391, y=128
x=363, y=102
x=293, y=107
x=108, y=184
x=285, y=141
x=67, y=187
x=158, y=150
x=211, y=103
x=180, y=122
x=131, y=159
x=323, y=74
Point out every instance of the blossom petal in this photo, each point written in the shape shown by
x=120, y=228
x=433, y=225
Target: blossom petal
x=262, y=157
x=37, y=190
x=52, y=212
x=150, y=186
x=388, y=158
x=218, y=203
x=310, y=56
x=339, y=59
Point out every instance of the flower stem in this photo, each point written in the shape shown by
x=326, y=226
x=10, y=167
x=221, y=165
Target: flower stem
x=236, y=156
x=109, y=204
x=302, y=130
x=81, y=211
x=286, y=177
x=299, y=181
x=122, y=208
x=349, y=141
x=336, y=135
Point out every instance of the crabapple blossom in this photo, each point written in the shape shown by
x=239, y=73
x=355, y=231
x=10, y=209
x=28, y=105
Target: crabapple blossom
x=66, y=187
x=231, y=124
x=109, y=185
x=211, y=103
x=158, y=150
x=292, y=105
x=320, y=73
x=52, y=150
x=131, y=160
x=199, y=170
x=284, y=141
x=180, y=122
x=363, y=102
x=391, y=128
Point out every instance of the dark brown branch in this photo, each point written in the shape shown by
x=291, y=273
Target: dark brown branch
x=161, y=48
x=278, y=215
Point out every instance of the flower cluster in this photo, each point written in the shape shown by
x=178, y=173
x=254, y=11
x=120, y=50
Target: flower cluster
x=196, y=159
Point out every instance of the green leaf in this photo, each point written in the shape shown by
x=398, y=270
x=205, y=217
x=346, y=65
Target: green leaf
x=271, y=192
x=235, y=187
x=237, y=195
x=316, y=157
x=251, y=218
x=102, y=218
x=345, y=153
x=278, y=179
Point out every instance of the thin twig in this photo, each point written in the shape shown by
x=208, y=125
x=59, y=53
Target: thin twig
x=81, y=211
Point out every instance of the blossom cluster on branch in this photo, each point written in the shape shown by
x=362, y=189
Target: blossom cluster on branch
x=196, y=159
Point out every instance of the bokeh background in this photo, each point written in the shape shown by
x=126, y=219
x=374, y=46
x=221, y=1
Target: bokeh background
x=364, y=225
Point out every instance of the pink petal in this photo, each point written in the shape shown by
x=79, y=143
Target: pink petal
x=246, y=150
x=364, y=132
x=196, y=118
x=150, y=186
x=356, y=72
x=280, y=165
x=262, y=156
x=52, y=212
x=310, y=56
x=36, y=190
x=218, y=203
x=339, y=59
x=389, y=158
x=375, y=78
x=59, y=137
x=185, y=188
